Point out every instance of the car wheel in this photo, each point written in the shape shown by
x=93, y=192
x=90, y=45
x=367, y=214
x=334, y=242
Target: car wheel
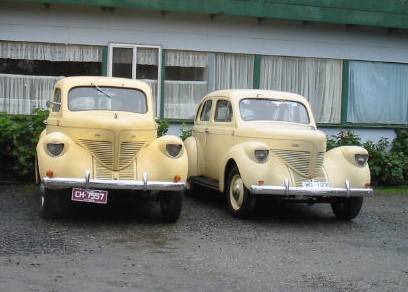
x=240, y=201
x=347, y=209
x=48, y=203
x=170, y=205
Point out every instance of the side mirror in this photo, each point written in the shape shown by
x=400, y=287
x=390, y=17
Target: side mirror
x=48, y=103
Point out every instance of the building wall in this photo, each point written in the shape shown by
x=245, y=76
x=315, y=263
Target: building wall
x=95, y=26
x=91, y=25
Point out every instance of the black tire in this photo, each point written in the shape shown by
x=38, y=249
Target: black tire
x=48, y=203
x=170, y=205
x=347, y=209
x=245, y=209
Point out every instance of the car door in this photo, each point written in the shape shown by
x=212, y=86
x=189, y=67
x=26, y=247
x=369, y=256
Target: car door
x=219, y=137
x=200, y=129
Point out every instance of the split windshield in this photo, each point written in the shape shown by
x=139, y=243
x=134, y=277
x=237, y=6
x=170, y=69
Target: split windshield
x=264, y=109
x=90, y=98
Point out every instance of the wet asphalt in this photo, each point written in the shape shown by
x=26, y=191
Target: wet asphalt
x=126, y=247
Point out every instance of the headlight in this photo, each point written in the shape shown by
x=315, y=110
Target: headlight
x=261, y=155
x=361, y=159
x=55, y=149
x=173, y=149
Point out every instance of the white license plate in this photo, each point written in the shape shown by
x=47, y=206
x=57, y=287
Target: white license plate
x=89, y=196
x=315, y=184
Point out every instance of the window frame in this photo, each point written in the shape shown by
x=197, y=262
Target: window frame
x=215, y=111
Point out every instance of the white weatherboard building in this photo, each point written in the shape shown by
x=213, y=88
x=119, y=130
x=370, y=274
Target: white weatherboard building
x=350, y=61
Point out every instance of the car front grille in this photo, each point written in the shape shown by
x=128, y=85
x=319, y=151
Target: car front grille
x=128, y=151
x=101, y=150
x=105, y=153
x=303, y=162
x=127, y=173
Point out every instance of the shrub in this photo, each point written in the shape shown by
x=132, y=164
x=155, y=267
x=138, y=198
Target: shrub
x=18, y=139
x=185, y=131
x=163, y=127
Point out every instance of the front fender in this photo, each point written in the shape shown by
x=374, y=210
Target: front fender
x=73, y=162
x=272, y=171
x=159, y=165
x=339, y=167
x=191, y=147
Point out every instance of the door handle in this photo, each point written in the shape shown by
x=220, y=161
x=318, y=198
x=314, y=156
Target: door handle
x=207, y=130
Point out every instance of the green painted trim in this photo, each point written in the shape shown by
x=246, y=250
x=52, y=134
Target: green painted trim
x=390, y=13
x=345, y=91
x=162, y=77
x=257, y=71
x=104, y=70
x=364, y=126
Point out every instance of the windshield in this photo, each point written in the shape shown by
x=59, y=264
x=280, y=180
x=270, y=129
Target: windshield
x=89, y=98
x=263, y=109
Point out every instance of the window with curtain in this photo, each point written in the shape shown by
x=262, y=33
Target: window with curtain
x=319, y=80
x=29, y=71
x=227, y=71
x=378, y=93
x=185, y=82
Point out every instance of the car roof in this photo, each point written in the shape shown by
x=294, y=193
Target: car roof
x=69, y=82
x=237, y=94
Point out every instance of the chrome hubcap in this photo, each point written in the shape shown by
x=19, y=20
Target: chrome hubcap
x=236, y=192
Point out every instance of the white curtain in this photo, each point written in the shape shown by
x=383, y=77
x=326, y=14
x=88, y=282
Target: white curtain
x=21, y=94
x=50, y=52
x=378, y=93
x=182, y=98
x=186, y=58
x=319, y=80
x=147, y=56
x=230, y=71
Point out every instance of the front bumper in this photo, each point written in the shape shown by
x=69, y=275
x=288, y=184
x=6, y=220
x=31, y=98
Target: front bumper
x=88, y=183
x=287, y=190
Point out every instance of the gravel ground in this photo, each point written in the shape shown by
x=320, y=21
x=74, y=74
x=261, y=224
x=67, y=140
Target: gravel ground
x=126, y=247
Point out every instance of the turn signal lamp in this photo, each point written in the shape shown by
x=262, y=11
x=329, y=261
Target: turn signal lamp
x=177, y=178
x=260, y=182
x=49, y=173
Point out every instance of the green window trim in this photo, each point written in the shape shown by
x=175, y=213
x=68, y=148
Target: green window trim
x=345, y=92
x=104, y=71
x=162, y=77
x=257, y=72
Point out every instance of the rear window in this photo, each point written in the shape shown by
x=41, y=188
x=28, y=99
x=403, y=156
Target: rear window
x=91, y=98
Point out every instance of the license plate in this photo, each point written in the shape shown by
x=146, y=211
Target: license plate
x=89, y=196
x=315, y=184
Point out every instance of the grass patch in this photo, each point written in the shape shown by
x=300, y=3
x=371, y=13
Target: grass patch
x=399, y=190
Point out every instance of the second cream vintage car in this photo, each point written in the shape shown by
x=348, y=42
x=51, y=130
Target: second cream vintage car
x=248, y=143
x=101, y=137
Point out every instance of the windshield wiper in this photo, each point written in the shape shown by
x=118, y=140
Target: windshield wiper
x=102, y=91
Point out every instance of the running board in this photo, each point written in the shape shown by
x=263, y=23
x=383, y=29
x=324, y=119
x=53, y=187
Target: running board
x=205, y=182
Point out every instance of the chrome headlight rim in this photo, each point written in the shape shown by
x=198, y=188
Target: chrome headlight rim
x=174, y=150
x=55, y=149
x=361, y=159
x=261, y=155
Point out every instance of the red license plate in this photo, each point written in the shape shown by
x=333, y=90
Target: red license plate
x=89, y=196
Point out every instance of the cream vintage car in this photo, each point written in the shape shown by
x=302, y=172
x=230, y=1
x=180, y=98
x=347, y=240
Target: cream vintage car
x=100, y=137
x=248, y=143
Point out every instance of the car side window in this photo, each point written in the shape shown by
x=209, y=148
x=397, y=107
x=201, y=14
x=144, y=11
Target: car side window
x=206, y=111
x=56, y=104
x=223, y=111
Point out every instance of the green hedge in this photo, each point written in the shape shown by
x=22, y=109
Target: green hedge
x=18, y=139
x=388, y=161
x=19, y=136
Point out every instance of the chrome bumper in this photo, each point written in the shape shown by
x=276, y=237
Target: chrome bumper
x=88, y=183
x=287, y=190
